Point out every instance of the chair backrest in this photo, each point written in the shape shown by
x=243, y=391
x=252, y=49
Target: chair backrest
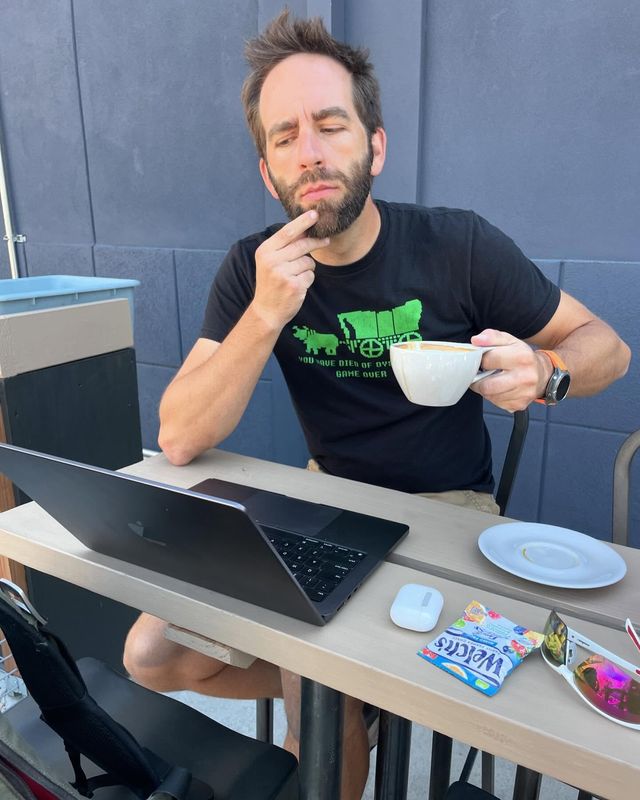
x=621, y=473
x=55, y=684
x=512, y=458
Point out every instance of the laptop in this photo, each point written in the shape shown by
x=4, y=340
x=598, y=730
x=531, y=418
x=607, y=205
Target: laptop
x=298, y=558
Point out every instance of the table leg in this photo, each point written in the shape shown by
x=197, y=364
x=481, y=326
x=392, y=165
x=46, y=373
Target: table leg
x=527, y=784
x=392, y=760
x=321, y=712
x=440, y=775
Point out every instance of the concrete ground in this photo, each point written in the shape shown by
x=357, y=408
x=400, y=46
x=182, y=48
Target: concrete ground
x=240, y=715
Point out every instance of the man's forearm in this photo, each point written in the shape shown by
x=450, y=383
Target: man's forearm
x=202, y=407
x=595, y=356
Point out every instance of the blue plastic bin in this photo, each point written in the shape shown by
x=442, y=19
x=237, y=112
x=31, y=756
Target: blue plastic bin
x=52, y=291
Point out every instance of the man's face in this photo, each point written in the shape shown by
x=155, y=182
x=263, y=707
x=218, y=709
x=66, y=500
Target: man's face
x=317, y=153
x=336, y=214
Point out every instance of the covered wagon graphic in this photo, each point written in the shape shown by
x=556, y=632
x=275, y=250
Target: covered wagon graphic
x=367, y=332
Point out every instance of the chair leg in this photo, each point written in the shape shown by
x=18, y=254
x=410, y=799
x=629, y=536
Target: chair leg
x=469, y=761
x=527, y=784
x=488, y=772
x=392, y=760
x=264, y=720
x=440, y=773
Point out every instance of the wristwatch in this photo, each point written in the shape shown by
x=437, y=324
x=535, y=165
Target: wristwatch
x=559, y=382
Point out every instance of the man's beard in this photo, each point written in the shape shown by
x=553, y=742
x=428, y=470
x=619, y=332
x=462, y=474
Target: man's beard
x=334, y=217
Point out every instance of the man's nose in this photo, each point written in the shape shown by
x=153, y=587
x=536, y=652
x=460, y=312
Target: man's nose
x=309, y=150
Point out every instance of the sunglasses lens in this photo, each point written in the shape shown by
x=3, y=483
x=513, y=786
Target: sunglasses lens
x=554, y=645
x=611, y=690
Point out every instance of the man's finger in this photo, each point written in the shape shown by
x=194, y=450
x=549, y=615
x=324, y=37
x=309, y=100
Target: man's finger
x=306, y=278
x=300, y=265
x=492, y=338
x=295, y=228
x=301, y=247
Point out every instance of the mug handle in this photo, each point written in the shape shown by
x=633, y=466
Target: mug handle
x=485, y=373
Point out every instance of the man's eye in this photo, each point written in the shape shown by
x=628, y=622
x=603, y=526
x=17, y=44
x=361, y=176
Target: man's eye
x=283, y=142
x=332, y=129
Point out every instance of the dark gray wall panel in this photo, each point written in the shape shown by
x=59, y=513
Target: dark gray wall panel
x=254, y=436
x=167, y=145
x=5, y=270
x=195, y=271
x=42, y=124
x=393, y=34
x=152, y=381
x=156, y=333
x=59, y=259
x=613, y=292
x=577, y=479
x=525, y=499
x=529, y=119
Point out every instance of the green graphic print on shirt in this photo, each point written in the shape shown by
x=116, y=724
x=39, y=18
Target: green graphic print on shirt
x=361, y=339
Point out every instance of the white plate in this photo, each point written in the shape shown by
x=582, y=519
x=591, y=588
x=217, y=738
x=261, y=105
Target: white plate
x=551, y=555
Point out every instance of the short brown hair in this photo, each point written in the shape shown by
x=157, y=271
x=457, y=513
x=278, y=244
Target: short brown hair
x=286, y=36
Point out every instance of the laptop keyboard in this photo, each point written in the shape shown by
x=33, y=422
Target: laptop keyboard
x=317, y=566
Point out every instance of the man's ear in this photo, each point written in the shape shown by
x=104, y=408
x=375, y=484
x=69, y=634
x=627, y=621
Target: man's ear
x=267, y=180
x=379, y=150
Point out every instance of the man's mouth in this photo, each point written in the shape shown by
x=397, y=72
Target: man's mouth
x=317, y=191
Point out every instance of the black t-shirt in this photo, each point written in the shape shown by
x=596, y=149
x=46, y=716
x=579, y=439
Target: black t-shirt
x=433, y=273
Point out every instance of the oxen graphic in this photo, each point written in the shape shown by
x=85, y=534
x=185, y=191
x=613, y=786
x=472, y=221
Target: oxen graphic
x=315, y=341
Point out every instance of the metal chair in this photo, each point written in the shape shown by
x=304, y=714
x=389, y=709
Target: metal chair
x=441, y=745
x=108, y=736
x=621, y=479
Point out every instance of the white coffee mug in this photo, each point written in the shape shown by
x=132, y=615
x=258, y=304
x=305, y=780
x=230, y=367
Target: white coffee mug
x=436, y=373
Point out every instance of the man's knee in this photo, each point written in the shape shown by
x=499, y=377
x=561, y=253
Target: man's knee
x=144, y=647
x=158, y=663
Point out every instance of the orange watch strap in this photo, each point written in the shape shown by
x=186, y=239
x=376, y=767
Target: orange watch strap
x=555, y=359
x=557, y=362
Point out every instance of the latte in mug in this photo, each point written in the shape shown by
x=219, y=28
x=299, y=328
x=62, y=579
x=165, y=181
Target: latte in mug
x=436, y=373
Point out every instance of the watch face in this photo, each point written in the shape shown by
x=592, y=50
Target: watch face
x=562, y=386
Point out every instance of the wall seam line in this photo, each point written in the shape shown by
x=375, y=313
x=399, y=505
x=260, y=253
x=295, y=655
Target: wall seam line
x=83, y=127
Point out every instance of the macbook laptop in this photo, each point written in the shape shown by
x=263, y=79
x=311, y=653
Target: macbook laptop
x=298, y=558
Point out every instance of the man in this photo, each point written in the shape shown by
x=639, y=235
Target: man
x=328, y=292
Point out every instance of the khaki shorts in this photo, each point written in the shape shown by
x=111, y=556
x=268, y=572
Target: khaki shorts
x=465, y=498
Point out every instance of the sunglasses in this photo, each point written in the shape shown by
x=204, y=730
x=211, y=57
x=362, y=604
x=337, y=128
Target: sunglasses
x=601, y=679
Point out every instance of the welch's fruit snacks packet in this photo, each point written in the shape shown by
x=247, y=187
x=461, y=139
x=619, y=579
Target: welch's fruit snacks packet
x=481, y=648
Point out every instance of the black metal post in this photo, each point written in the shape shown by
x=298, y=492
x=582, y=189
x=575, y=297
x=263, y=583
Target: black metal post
x=392, y=760
x=264, y=719
x=440, y=775
x=321, y=711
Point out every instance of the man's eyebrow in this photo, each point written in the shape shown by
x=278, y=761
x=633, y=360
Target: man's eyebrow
x=318, y=116
x=332, y=111
x=281, y=127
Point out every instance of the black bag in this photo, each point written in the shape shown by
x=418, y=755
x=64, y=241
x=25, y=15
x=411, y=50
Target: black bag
x=55, y=684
